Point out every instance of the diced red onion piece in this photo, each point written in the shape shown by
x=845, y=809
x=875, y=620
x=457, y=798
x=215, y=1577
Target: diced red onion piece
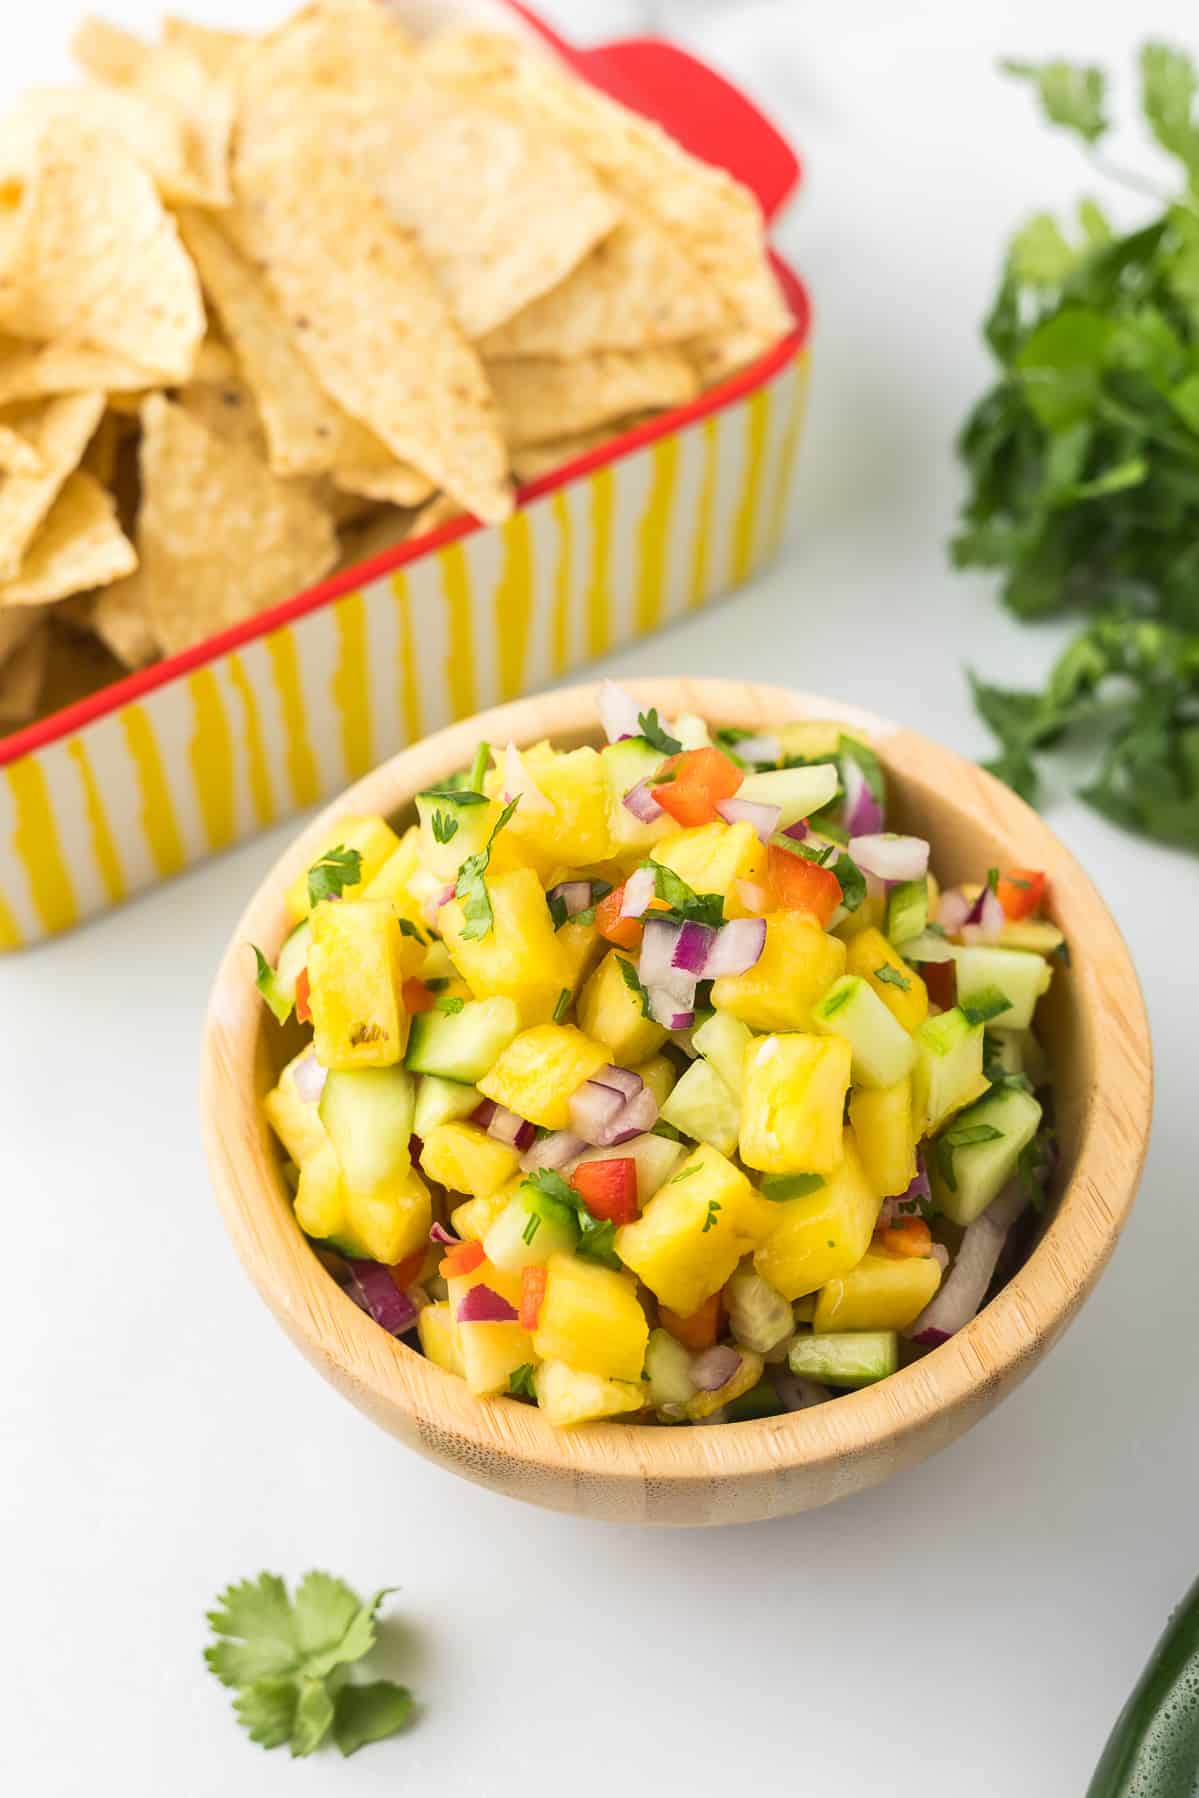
x=381, y=1298
x=763, y=748
x=714, y=1367
x=890, y=857
x=795, y=1392
x=799, y=830
x=514, y=1132
x=753, y=897
x=594, y=1109
x=763, y=818
x=623, y=1080
x=656, y=964
x=574, y=894
x=308, y=1077
x=641, y=802
x=433, y=905
x=738, y=945
x=986, y=920
x=519, y=784
x=440, y=1234
x=639, y=889
x=483, y=1113
x=665, y=1009
x=692, y=948
x=862, y=814
x=961, y=1294
x=619, y=712
x=557, y=1150
x=483, y=1306
x=907, y=1203
x=953, y=910
x=639, y=1115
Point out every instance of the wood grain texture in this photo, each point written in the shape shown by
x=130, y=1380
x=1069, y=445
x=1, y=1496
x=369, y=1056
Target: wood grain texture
x=1096, y=1033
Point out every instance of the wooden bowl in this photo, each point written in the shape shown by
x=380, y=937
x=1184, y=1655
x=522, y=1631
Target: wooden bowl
x=1096, y=1034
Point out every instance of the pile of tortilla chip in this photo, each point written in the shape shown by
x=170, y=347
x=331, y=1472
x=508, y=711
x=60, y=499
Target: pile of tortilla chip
x=272, y=304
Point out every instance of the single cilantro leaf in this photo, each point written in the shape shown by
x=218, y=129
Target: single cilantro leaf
x=684, y=1173
x=520, y=1381
x=337, y=869
x=254, y=1618
x=443, y=826
x=668, y=1131
x=985, y=1005
x=686, y=905
x=471, y=887
x=597, y=1239
x=710, y=1216
x=322, y=1611
x=369, y=1713
x=267, y=1709
x=892, y=977
x=359, y=1638
x=1040, y=254
x=852, y=881
x=548, y=1182
x=313, y=1717
x=790, y=1186
x=408, y=928
x=449, y=1002
x=1071, y=94
x=1168, y=88
x=632, y=980
x=651, y=729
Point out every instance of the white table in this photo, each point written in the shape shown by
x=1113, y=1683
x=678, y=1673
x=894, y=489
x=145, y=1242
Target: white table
x=972, y=1627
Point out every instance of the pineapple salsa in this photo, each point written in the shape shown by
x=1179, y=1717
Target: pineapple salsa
x=661, y=1080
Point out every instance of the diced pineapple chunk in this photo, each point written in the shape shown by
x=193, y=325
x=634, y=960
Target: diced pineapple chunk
x=883, y=1292
x=793, y=1103
x=797, y=966
x=610, y=1012
x=439, y=1338
x=658, y=1073
x=591, y=1318
x=490, y=1352
x=393, y=881
x=519, y=957
x=375, y=841
x=869, y=915
x=295, y=1121
x=540, y=1069
x=712, y=858
x=824, y=1233
x=695, y=1230
x=744, y=1380
x=390, y=1224
x=569, y=1396
x=466, y=1159
x=581, y=946
x=882, y=1125
x=472, y=1220
x=357, y=965
x=575, y=829
x=816, y=739
x=868, y=952
x=321, y=1197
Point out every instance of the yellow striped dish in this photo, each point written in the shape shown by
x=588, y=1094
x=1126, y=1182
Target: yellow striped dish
x=190, y=757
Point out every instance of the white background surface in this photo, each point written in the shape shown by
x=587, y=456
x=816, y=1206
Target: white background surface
x=971, y=1628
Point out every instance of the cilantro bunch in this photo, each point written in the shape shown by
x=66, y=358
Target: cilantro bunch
x=1083, y=462
x=289, y=1661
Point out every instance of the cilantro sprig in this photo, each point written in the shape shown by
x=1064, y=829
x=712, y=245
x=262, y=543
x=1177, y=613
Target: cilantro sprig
x=337, y=869
x=471, y=887
x=655, y=734
x=289, y=1661
x=597, y=1236
x=685, y=905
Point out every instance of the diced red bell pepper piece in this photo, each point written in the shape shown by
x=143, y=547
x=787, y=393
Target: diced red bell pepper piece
x=417, y=997
x=909, y=1237
x=303, y=1009
x=688, y=786
x=463, y=1258
x=1021, y=892
x=699, y=1330
x=941, y=979
x=608, y=1188
x=409, y=1269
x=532, y=1294
x=626, y=933
x=796, y=884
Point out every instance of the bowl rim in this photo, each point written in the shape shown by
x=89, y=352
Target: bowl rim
x=961, y=1376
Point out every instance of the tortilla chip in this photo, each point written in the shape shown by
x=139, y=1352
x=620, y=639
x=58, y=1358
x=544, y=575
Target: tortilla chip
x=216, y=51
x=635, y=290
x=99, y=261
x=31, y=371
x=59, y=431
x=439, y=511
x=171, y=79
x=378, y=476
x=723, y=353
x=79, y=546
x=372, y=322
x=76, y=666
x=149, y=131
x=17, y=456
x=536, y=459
x=712, y=217
x=22, y=678
x=119, y=617
x=16, y=627
x=227, y=409
x=215, y=361
x=220, y=537
x=541, y=400
x=374, y=536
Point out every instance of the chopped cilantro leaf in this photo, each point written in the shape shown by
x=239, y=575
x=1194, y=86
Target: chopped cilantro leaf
x=443, y=827
x=563, y=1005
x=993, y=880
x=632, y=980
x=714, y=1207
x=551, y=1185
x=449, y=1002
x=660, y=739
x=661, y=1128
x=408, y=928
x=597, y=1239
x=686, y=906
x=337, y=869
x=532, y=1225
x=778, y=1187
x=454, y=795
x=892, y=977
x=471, y=887
x=985, y=1005
x=520, y=1381
x=684, y=1173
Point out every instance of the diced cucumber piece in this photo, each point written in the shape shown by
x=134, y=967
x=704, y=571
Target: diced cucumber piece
x=761, y=1400
x=949, y=1069
x=1037, y=934
x=853, y=1358
x=723, y=1039
x=368, y=1115
x=453, y=824
x=759, y=1317
x=928, y=946
x=292, y=958
x=883, y=1052
x=1019, y=974
x=625, y=764
x=976, y=1155
x=798, y=792
x=656, y=1158
x=691, y=731
x=702, y=1106
x=462, y=1045
x=1007, y=1047
x=907, y=910
x=437, y=964
x=441, y=1102
x=530, y=1228
x=668, y=1370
